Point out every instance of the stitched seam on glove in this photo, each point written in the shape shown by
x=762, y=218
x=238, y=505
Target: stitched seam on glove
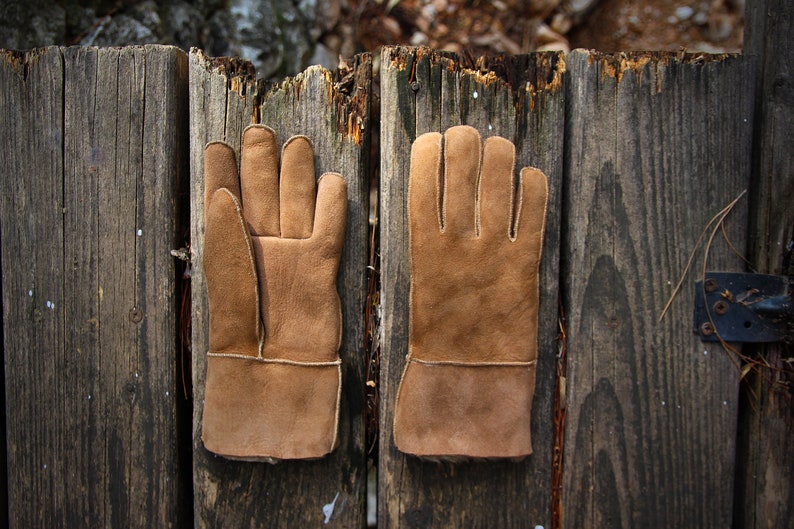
x=286, y=361
x=471, y=364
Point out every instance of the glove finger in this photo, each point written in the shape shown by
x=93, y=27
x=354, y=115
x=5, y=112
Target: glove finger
x=496, y=188
x=531, y=210
x=331, y=214
x=259, y=180
x=424, y=184
x=232, y=285
x=461, y=171
x=297, y=188
x=220, y=171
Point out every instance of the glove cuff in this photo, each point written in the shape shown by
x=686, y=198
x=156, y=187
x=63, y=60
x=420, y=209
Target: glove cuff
x=259, y=409
x=451, y=410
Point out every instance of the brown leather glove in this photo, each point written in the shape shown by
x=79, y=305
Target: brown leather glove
x=271, y=257
x=475, y=244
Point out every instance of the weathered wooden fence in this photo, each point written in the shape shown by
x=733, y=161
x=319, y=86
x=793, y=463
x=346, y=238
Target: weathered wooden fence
x=636, y=423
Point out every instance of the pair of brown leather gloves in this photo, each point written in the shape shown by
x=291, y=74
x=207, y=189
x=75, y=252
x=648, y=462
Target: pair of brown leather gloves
x=272, y=247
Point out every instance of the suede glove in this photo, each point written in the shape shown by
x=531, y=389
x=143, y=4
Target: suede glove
x=272, y=247
x=475, y=245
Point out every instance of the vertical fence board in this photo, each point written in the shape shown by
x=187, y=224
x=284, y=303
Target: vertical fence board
x=94, y=153
x=32, y=258
x=332, y=109
x=656, y=145
x=766, y=460
x=91, y=166
x=422, y=91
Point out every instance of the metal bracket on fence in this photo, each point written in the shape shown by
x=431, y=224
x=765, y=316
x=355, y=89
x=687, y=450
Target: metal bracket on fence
x=749, y=308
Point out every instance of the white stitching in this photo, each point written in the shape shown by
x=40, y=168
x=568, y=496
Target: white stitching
x=472, y=364
x=284, y=361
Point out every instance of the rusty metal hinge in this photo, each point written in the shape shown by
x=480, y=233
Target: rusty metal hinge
x=749, y=308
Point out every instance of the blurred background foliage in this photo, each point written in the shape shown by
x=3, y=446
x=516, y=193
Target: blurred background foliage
x=282, y=37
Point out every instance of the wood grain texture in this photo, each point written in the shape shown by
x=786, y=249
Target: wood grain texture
x=332, y=109
x=91, y=163
x=656, y=145
x=766, y=461
x=520, y=98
